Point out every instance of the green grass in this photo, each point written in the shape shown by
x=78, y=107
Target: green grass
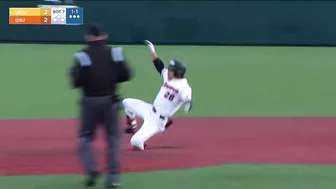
x=225, y=176
x=226, y=81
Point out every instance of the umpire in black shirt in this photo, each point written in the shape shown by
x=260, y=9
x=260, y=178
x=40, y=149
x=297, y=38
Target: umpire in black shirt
x=96, y=71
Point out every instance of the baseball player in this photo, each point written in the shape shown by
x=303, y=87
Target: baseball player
x=174, y=93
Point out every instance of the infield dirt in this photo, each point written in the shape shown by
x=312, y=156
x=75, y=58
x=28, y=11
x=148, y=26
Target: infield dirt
x=49, y=146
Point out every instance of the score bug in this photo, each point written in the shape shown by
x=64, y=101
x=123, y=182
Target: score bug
x=58, y=11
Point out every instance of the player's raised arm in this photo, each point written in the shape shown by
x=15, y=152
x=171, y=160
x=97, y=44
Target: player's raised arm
x=159, y=65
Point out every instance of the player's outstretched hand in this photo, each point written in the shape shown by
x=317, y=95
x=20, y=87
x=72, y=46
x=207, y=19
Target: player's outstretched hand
x=150, y=46
x=147, y=42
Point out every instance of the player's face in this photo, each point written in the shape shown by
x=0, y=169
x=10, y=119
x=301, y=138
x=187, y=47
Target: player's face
x=170, y=74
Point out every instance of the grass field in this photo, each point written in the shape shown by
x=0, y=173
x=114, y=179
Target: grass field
x=240, y=81
x=266, y=110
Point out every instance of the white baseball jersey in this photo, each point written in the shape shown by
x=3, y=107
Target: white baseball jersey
x=172, y=95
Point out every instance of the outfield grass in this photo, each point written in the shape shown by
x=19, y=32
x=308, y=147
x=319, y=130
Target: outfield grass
x=245, y=176
x=226, y=81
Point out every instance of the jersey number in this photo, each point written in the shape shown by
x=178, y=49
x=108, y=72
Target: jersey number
x=169, y=96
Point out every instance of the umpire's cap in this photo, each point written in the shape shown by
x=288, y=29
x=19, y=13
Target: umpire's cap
x=178, y=68
x=95, y=33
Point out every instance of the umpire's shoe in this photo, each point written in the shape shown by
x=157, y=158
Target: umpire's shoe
x=92, y=179
x=114, y=185
x=113, y=181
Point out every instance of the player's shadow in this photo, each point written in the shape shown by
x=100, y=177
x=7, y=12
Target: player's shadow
x=163, y=147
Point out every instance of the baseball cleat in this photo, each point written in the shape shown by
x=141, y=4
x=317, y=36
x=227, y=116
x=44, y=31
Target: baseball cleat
x=130, y=130
x=140, y=148
x=137, y=148
x=131, y=126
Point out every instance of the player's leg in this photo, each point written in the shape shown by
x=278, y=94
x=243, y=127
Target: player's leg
x=135, y=108
x=144, y=133
x=152, y=125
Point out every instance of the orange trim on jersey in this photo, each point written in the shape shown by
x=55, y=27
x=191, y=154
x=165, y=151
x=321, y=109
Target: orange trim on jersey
x=170, y=87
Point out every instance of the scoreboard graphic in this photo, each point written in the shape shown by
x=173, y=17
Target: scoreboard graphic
x=46, y=16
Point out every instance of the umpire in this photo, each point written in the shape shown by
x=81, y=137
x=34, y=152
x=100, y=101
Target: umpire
x=96, y=71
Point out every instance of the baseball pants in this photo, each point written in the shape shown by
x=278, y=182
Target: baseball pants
x=94, y=111
x=153, y=123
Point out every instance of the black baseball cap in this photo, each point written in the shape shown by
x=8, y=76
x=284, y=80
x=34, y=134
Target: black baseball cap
x=95, y=33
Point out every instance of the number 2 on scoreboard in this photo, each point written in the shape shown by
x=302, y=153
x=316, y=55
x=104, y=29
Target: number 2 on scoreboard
x=45, y=19
x=45, y=11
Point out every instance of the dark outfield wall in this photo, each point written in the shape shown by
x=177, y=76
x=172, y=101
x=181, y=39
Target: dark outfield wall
x=221, y=22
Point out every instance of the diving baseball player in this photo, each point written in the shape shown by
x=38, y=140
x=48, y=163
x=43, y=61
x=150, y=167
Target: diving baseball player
x=174, y=93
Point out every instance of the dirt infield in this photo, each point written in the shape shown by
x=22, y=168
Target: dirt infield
x=48, y=146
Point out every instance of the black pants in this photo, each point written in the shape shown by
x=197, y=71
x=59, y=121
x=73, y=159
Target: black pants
x=102, y=111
